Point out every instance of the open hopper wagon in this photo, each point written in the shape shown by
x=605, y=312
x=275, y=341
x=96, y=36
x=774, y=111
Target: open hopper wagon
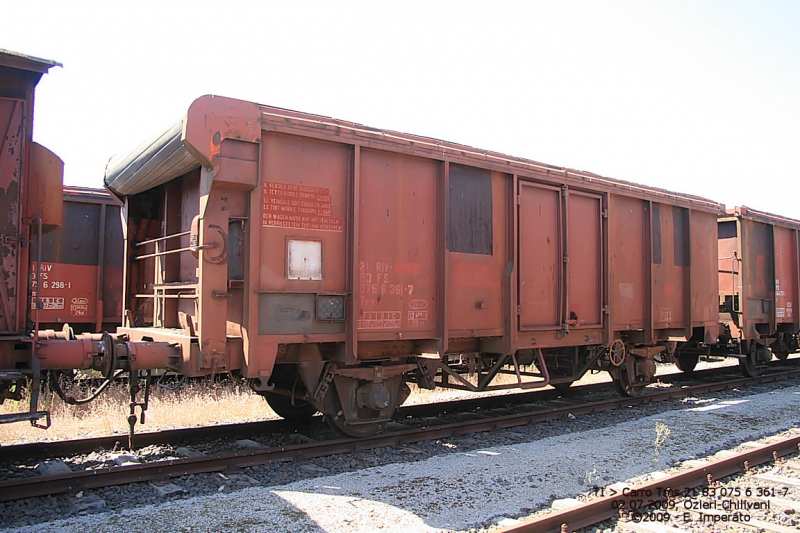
x=331, y=263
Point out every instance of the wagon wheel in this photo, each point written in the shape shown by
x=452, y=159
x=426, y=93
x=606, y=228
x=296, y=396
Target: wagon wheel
x=686, y=361
x=292, y=406
x=334, y=416
x=292, y=409
x=623, y=385
x=749, y=365
x=617, y=352
x=780, y=350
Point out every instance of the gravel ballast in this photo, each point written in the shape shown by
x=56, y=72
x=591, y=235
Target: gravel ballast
x=463, y=490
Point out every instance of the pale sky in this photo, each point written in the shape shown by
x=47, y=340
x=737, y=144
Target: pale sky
x=697, y=96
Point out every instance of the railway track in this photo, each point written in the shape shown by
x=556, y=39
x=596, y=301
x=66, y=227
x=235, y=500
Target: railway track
x=186, y=436
x=697, y=495
x=163, y=470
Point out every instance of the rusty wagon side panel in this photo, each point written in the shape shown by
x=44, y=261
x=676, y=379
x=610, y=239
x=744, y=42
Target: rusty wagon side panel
x=759, y=273
x=27, y=172
x=14, y=140
x=81, y=264
x=662, y=280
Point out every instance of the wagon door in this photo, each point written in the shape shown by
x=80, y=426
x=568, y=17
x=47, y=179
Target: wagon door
x=560, y=259
x=584, y=260
x=12, y=113
x=540, y=257
x=759, y=278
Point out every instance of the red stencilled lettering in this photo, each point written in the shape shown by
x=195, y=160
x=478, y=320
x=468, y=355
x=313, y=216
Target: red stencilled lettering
x=64, y=291
x=298, y=207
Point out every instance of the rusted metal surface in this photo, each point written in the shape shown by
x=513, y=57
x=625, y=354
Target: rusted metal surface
x=13, y=138
x=629, y=261
x=758, y=281
x=561, y=256
x=541, y=257
x=585, y=251
x=786, y=275
x=397, y=253
x=19, y=74
x=44, y=184
x=298, y=214
x=670, y=272
x=704, y=283
x=81, y=268
x=759, y=273
x=478, y=253
x=761, y=216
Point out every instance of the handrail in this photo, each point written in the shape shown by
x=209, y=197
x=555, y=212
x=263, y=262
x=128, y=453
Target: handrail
x=182, y=234
x=178, y=250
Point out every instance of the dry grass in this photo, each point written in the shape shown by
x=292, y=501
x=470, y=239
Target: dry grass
x=191, y=405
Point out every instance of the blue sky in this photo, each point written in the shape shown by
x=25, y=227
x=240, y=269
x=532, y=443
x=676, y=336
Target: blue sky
x=701, y=97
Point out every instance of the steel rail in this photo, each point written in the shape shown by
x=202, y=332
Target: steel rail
x=17, y=452
x=604, y=508
x=158, y=471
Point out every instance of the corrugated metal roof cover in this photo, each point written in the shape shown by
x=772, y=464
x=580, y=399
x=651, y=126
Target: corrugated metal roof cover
x=157, y=161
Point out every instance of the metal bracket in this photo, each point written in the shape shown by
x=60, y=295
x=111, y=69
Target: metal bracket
x=32, y=416
x=325, y=381
x=424, y=377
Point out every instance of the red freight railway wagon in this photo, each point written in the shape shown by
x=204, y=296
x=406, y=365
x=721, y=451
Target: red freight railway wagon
x=81, y=271
x=27, y=206
x=30, y=206
x=31, y=210
x=759, y=284
x=331, y=262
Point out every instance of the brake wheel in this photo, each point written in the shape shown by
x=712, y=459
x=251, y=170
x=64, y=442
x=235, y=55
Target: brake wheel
x=617, y=352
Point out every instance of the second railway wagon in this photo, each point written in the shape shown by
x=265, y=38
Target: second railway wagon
x=759, y=282
x=81, y=270
x=331, y=263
